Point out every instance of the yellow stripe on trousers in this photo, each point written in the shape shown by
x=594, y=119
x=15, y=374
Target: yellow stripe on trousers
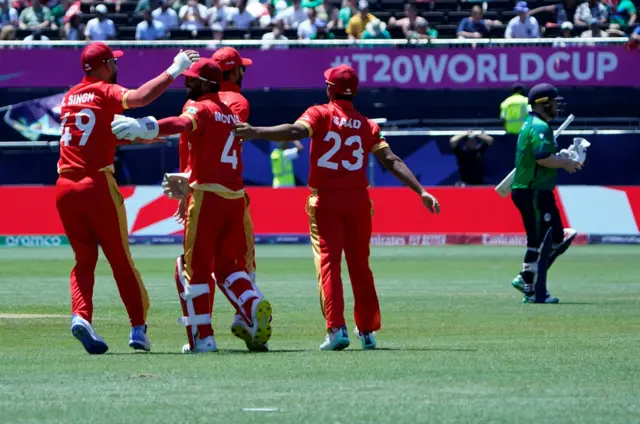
x=193, y=214
x=250, y=256
x=315, y=245
x=118, y=203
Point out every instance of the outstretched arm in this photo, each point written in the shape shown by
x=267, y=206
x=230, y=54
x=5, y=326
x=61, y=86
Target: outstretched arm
x=175, y=125
x=148, y=129
x=398, y=168
x=284, y=132
x=152, y=89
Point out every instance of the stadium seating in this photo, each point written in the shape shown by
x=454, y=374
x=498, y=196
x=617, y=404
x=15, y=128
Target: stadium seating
x=443, y=15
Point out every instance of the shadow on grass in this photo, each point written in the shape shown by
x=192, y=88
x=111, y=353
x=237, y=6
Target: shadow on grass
x=417, y=349
x=281, y=351
x=219, y=352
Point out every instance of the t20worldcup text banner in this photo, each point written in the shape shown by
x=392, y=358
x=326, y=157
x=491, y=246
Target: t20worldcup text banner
x=410, y=68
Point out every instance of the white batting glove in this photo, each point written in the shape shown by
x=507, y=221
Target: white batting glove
x=569, y=153
x=580, y=146
x=182, y=62
x=130, y=128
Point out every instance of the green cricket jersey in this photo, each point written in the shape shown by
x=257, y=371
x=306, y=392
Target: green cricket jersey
x=535, y=141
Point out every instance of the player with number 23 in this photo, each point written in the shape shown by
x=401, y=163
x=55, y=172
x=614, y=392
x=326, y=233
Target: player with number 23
x=339, y=208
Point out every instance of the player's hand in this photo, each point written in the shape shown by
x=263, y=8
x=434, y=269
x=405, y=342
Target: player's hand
x=245, y=131
x=181, y=213
x=131, y=129
x=175, y=186
x=572, y=166
x=193, y=55
x=298, y=145
x=430, y=202
x=182, y=62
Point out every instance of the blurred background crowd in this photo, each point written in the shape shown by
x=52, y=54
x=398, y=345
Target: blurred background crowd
x=314, y=19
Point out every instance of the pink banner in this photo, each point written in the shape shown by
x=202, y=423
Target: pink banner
x=410, y=68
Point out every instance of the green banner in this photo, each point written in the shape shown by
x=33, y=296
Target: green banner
x=33, y=241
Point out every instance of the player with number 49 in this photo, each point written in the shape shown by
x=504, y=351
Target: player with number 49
x=88, y=200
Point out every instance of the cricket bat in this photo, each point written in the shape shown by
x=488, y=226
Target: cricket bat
x=504, y=188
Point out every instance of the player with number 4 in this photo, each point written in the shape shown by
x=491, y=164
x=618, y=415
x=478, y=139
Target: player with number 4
x=215, y=232
x=339, y=208
x=88, y=200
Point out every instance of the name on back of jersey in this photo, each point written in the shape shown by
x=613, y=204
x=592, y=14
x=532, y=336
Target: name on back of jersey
x=78, y=99
x=226, y=119
x=347, y=123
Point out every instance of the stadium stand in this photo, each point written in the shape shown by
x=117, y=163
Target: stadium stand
x=444, y=16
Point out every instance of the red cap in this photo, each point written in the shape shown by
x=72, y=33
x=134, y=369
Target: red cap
x=206, y=70
x=343, y=78
x=96, y=53
x=229, y=58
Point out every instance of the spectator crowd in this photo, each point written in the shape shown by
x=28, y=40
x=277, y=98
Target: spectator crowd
x=315, y=19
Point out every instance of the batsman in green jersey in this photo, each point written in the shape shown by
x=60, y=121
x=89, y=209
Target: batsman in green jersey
x=537, y=164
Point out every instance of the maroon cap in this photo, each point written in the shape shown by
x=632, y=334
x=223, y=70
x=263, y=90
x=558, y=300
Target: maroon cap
x=206, y=70
x=96, y=53
x=229, y=58
x=343, y=78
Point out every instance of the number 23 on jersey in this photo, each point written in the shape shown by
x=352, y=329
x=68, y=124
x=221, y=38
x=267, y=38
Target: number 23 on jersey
x=357, y=158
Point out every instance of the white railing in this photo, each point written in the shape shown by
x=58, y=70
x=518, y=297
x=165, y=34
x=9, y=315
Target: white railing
x=485, y=42
x=413, y=132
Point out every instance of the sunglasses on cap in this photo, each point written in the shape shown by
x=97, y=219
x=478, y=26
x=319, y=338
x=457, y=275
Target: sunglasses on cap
x=113, y=59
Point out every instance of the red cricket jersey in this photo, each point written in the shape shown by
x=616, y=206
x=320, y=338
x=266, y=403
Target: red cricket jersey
x=341, y=140
x=214, y=153
x=239, y=105
x=87, y=142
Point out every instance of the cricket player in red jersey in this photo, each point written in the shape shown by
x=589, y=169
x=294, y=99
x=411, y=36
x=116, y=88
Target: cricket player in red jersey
x=340, y=210
x=233, y=68
x=89, y=203
x=215, y=233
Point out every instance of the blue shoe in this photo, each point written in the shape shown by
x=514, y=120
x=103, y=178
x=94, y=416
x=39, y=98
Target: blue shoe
x=138, y=339
x=82, y=330
x=336, y=339
x=367, y=340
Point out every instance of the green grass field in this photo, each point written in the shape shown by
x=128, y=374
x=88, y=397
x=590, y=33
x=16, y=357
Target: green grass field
x=457, y=346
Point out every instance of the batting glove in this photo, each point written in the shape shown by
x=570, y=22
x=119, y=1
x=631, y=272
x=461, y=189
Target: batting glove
x=125, y=128
x=182, y=62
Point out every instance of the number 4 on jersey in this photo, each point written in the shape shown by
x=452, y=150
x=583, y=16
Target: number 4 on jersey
x=228, y=147
x=86, y=128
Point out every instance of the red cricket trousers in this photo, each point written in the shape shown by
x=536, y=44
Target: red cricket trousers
x=341, y=220
x=216, y=241
x=92, y=212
